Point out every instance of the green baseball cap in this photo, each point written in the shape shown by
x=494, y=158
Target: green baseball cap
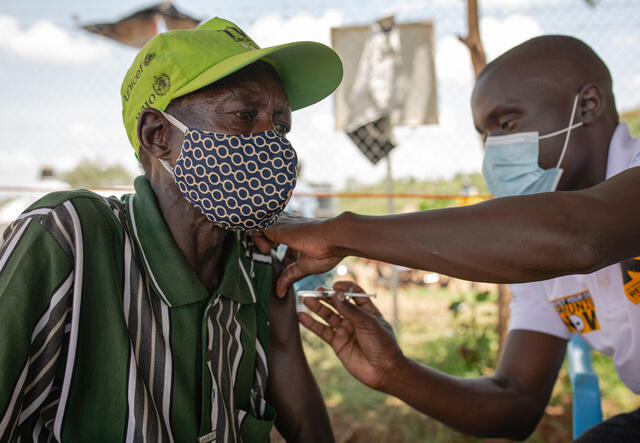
x=175, y=63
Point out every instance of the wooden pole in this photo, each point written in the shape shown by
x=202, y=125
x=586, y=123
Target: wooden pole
x=473, y=41
x=394, y=268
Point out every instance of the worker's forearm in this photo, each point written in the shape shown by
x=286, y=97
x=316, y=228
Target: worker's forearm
x=502, y=240
x=483, y=407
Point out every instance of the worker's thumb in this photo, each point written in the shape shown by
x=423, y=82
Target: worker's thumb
x=289, y=276
x=262, y=242
x=350, y=311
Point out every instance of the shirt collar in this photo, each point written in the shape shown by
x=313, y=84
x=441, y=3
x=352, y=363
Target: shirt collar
x=168, y=271
x=621, y=149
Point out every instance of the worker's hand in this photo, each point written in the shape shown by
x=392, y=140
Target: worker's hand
x=359, y=335
x=308, y=238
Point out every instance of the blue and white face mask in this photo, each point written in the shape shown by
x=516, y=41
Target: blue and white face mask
x=239, y=182
x=510, y=165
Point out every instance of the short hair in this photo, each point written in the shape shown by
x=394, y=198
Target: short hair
x=565, y=61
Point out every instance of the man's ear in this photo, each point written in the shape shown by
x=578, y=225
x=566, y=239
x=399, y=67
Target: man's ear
x=155, y=133
x=591, y=104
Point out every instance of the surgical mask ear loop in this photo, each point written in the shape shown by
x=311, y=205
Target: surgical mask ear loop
x=566, y=142
x=567, y=130
x=182, y=128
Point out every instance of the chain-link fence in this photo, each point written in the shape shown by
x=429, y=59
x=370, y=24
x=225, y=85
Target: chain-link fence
x=61, y=91
x=61, y=100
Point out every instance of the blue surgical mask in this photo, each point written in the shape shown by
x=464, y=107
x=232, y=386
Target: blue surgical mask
x=239, y=182
x=510, y=165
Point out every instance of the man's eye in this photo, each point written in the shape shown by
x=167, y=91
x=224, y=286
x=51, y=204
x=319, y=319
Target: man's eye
x=281, y=128
x=508, y=124
x=245, y=115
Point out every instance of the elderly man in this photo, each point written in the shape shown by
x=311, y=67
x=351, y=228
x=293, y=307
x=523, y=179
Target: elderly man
x=147, y=318
x=547, y=115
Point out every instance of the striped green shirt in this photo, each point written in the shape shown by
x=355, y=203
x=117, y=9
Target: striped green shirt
x=106, y=334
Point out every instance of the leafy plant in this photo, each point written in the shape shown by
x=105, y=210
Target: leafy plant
x=96, y=174
x=474, y=329
x=632, y=118
x=410, y=185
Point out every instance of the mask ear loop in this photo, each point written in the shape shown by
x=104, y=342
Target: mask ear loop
x=569, y=128
x=175, y=122
x=182, y=128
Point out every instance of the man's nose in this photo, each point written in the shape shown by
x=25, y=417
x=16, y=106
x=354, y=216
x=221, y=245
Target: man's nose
x=264, y=122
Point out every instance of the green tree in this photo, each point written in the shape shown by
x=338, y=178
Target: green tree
x=633, y=120
x=89, y=173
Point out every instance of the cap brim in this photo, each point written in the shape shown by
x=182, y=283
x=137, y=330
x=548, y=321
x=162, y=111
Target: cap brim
x=309, y=71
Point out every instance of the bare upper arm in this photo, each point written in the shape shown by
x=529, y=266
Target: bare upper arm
x=596, y=225
x=612, y=213
x=283, y=328
x=292, y=390
x=530, y=362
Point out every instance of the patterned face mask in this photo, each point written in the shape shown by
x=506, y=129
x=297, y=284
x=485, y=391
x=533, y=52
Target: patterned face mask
x=239, y=182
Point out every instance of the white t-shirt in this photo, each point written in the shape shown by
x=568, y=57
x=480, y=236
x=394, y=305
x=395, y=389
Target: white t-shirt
x=598, y=306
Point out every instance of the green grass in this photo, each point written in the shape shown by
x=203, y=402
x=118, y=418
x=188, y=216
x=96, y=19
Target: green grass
x=430, y=332
x=633, y=120
x=454, y=186
x=379, y=206
x=91, y=173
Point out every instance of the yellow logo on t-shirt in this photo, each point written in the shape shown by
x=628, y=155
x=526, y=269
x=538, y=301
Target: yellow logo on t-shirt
x=578, y=312
x=631, y=279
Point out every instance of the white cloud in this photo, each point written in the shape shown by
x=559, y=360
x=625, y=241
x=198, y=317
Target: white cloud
x=44, y=41
x=625, y=41
x=513, y=4
x=81, y=129
x=328, y=155
x=22, y=166
x=272, y=29
x=503, y=4
x=501, y=35
x=635, y=81
x=433, y=151
x=453, y=63
x=403, y=7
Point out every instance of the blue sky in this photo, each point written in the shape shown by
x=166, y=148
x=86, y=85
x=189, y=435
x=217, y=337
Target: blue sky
x=61, y=95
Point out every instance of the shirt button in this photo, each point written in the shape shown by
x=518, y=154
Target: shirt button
x=604, y=282
x=208, y=355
